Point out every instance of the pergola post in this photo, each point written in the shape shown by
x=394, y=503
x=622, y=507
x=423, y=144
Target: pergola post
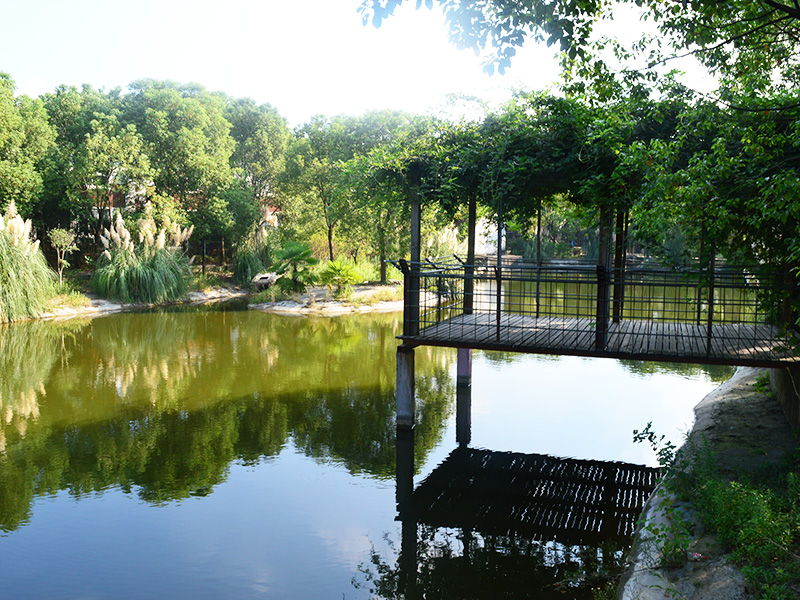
x=603, y=290
x=469, y=268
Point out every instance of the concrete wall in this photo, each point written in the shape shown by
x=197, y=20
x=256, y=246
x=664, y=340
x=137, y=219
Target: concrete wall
x=785, y=384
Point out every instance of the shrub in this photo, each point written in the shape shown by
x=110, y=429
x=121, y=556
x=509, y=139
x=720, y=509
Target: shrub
x=339, y=273
x=63, y=243
x=26, y=281
x=252, y=256
x=155, y=270
x=295, y=262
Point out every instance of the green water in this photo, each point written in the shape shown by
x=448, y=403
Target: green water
x=210, y=453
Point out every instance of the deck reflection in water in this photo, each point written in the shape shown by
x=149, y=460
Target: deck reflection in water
x=490, y=524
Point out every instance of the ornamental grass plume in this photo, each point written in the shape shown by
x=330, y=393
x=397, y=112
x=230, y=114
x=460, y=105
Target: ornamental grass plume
x=27, y=282
x=154, y=270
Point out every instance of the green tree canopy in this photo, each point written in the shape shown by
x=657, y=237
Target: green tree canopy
x=25, y=138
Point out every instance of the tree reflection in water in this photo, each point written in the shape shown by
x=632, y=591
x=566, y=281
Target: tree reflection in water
x=462, y=564
x=160, y=404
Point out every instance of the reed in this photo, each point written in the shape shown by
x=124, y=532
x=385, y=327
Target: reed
x=26, y=280
x=154, y=270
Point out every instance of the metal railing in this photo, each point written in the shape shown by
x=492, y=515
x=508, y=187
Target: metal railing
x=588, y=300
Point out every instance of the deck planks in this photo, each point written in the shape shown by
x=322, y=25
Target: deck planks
x=735, y=344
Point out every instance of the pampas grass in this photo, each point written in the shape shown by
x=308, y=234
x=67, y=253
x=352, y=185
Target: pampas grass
x=154, y=270
x=26, y=280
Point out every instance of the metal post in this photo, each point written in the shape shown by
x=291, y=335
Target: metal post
x=603, y=295
x=412, y=296
x=710, y=322
x=538, y=255
x=439, y=286
x=469, y=268
x=499, y=298
x=601, y=318
x=619, y=265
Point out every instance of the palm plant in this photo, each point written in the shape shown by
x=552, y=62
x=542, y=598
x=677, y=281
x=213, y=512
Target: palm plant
x=339, y=273
x=295, y=263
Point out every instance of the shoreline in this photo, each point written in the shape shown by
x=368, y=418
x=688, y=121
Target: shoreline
x=316, y=301
x=747, y=430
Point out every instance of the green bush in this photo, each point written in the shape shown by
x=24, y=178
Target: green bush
x=26, y=281
x=155, y=270
x=341, y=274
x=295, y=263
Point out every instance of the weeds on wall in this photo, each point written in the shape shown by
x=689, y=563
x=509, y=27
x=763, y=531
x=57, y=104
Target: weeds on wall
x=756, y=516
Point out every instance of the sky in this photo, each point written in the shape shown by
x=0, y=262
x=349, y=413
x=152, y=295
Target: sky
x=304, y=57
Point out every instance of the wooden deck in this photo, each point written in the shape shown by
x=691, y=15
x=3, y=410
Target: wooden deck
x=733, y=344
x=542, y=497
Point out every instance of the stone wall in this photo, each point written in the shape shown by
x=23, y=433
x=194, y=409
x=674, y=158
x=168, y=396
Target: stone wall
x=785, y=384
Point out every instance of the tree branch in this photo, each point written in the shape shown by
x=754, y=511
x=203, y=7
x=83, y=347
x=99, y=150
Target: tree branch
x=788, y=10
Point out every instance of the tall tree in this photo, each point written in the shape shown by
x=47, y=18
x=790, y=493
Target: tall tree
x=261, y=136
x=110, y=163
x=187, y=136
x=25, y=138
x=71, y=113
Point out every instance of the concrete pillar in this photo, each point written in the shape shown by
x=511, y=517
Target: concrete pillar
x=406, y=401
x=464, y=366
x=464, y=397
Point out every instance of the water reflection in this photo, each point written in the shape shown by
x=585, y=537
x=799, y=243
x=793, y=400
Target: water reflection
x=160, y=405
x=489, y=524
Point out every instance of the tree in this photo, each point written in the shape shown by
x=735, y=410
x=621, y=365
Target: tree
x=186, y=134
x=25, y=138
x=109, y=163
x=760, y=34
x=71, y=113
x=261, y=136
x=63, y=242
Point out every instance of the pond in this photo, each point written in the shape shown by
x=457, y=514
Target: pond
x=217, y=452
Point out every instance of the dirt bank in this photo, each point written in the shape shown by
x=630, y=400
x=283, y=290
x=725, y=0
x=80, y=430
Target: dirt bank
x=747, y=430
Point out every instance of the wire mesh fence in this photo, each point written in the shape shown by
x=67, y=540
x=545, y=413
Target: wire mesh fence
x=727, y=314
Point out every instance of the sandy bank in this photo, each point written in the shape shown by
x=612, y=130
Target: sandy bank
x=319, y=301
x=99, y=306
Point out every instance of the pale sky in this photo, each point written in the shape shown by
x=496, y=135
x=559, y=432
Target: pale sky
x=304, y=57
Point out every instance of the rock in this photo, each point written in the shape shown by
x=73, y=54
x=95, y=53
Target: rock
x=263, y=281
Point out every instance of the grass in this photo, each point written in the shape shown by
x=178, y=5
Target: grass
x=757, y=519
x=755, y=516
x=153, y=271
x=273, y=294
x=388, y=294
x=26, y=281
x=204, y=281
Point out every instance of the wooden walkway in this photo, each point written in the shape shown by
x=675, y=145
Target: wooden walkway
x=541, y=497
x=734, y=344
